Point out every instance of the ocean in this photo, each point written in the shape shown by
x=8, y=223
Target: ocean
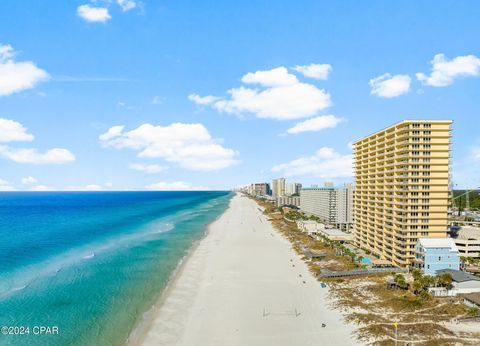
x=91, y=263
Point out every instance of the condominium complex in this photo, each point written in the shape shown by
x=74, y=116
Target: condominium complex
x=259, y=189
x=401, y=188
x=332, y=205
x=278, y=187
x=292, y=189
x=287, y=201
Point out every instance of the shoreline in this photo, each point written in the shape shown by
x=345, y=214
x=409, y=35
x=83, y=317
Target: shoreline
x=226, y=291
x=145, y=320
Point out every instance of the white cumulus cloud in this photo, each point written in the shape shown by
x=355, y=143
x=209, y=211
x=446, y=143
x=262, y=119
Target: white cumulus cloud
x=127, y=5
x=174, y=186
x=189, y=145
x=280, y=96
x=149, y=169
x=112, y=132
x=315, y=71
x=93, y=14
x=6, y=186
x=271, y=78
x=29, y=181
x=16, y=76
x=30, y=155
x=315, y=124
x=445, y=71
x=389, y=86
x=205, y=100
x=325, y=163
x=12, y=131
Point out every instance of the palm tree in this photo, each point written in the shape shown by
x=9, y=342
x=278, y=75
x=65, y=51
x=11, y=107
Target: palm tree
x=417, y=274
x=445, y=279
x=400, y=281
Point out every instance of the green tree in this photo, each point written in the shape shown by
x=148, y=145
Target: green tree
x=400, y=281
x=473, y=311
x=445, y=279
x=416, y=273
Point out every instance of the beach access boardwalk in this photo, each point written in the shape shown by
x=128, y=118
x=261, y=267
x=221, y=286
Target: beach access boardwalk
x=244, y=285
x=358, y=272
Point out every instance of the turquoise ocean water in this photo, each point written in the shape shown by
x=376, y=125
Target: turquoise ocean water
x=91, y=264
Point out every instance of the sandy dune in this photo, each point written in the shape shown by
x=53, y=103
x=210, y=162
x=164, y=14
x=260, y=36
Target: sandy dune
x=243, y=285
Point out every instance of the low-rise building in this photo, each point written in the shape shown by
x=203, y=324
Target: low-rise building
x=472, y=300
x=468, y=241
x=310, y=227
x=433, y=254
x=463, y=282
x=337, y=235
x=287, y=200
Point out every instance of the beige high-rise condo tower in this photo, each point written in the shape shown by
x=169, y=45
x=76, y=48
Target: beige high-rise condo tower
x=401, y=188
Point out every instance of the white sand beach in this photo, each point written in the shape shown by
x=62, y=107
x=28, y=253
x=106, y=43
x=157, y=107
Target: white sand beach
x=244, y=285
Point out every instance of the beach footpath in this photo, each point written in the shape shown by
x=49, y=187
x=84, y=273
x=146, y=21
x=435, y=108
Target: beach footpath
x=244, y=285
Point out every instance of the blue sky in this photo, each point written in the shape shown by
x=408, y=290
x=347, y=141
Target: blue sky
x=176, y=84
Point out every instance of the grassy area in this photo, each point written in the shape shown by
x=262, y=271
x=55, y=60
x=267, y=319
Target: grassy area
x=368, y=302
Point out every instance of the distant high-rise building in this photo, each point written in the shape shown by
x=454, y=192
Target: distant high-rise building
x=278, y=187
x=292, y=189
x=259, y=189
x=401, y=188
x=332, y=205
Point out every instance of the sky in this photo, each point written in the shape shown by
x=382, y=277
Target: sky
x=162, y=95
